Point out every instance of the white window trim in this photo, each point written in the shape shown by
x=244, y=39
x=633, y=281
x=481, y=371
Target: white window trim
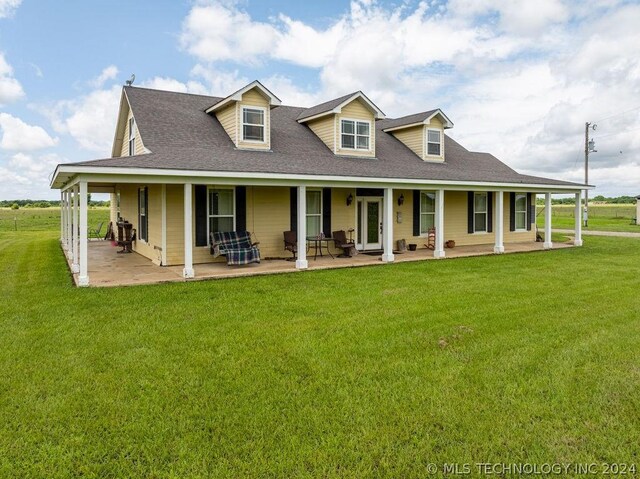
x=264, y=127
x=132, y=136
x=146, y=207
x=424, y=235
x=209, y=215
x=306, y=215
x=486, y=213
x=515, y=213
x=426, y=143
x=355, y=135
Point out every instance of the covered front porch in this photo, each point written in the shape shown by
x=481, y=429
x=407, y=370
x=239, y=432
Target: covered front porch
x=108, y=269
x=174, y=219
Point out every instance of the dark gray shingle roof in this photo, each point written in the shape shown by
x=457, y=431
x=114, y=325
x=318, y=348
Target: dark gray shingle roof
x=409, y=119
x=324, y=107
x=181, y=135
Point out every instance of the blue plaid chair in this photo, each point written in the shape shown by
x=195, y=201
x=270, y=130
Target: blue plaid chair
x=235, y=246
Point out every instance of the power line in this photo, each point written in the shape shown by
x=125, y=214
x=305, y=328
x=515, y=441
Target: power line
x=599, y=137
x=617, y=114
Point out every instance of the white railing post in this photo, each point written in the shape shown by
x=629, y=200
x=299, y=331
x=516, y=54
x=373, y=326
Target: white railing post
x=83, y=277
x=74, y=232
x=499, y=223
x=188, y=272
x=577, y=241
x=301, y=262
x=387, y=226
x=438, y=252
x=548, y=244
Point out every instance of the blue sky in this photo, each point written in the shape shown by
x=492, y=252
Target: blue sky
x=518, y=79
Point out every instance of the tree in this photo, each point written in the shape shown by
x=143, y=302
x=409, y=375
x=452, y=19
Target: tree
x=15, y=206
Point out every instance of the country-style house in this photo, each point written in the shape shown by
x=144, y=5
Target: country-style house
x=184, y=166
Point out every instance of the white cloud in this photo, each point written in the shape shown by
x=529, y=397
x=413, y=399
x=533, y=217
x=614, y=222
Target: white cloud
x=8, y=7
x=89, y=119
x=18, y=135
x=109, y=73
x=27, y=176
x=10, y=88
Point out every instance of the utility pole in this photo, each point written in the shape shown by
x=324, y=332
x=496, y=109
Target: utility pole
x=589, y=147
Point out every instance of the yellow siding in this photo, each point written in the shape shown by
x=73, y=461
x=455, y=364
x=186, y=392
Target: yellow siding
x=356, y=110
x=413, y=138
x=324, y=128
x=268, y=216
x=125, y=139
x=227, y=118
x=129, y=211
x=254, y=98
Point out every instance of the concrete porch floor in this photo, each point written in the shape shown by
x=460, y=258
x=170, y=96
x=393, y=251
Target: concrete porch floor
x=108, y=268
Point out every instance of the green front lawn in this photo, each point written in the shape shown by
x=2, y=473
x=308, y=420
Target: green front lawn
x=365, y=372
x=601, y=218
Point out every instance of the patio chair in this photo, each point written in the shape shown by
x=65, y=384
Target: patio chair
x=431, y=239
x=291, y=243
x=95, y=233
x=340, y=240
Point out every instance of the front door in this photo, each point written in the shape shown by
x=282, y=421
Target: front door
x=369, y=224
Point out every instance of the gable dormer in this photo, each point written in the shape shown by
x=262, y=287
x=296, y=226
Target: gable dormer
x=422, y=132
x=127, y=141
x=346, y=124
x=246, y=116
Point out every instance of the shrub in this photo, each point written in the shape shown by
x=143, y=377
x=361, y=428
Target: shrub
x=15, y=206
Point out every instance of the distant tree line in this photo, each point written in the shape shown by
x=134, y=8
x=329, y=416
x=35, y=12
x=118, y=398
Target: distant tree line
x=17, y=204
x=619, y=200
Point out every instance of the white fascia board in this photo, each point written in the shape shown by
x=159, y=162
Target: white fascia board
x=237, y=96
x=378, y=113
x=402, y=127
x=448, y=123
x=133, y=175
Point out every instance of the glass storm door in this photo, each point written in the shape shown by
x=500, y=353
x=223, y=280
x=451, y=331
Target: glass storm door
x=369, y=221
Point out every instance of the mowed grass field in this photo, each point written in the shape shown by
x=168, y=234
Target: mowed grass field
x=601, y=217
x=366, y=372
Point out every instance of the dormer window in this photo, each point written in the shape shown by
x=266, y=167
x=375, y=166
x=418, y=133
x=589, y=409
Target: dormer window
x=253, y=124
x=434, y=142
x=355, y=135
x=132, y=136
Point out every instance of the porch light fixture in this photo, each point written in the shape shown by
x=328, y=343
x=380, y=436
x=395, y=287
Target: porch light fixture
x=349, y=199
x=401, y=200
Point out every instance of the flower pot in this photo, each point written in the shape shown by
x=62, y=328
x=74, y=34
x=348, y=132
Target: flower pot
x=413, y=247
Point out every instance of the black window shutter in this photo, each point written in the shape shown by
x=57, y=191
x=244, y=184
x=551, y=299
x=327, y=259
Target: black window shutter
x=241, y=208
x=490, y=212
x=201, y=214
x=470, y=199
x=146, y=213
x=140, y=226
x=416, y=212
x=294, y=208
x=512, y=211
x=326, y=212
x=531, y=211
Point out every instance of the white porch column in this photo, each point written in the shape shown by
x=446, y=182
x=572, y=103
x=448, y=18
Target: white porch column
x=188, y=272
x=387, y=226
x=74, y=233
x=62, y=229
x=548, y=244
x=163, y=238
x=83, y=277
x=499, y=220
x=69, y=223
x=578, y=218
x=439, y=220
x=63, y=217
x=301, y=262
